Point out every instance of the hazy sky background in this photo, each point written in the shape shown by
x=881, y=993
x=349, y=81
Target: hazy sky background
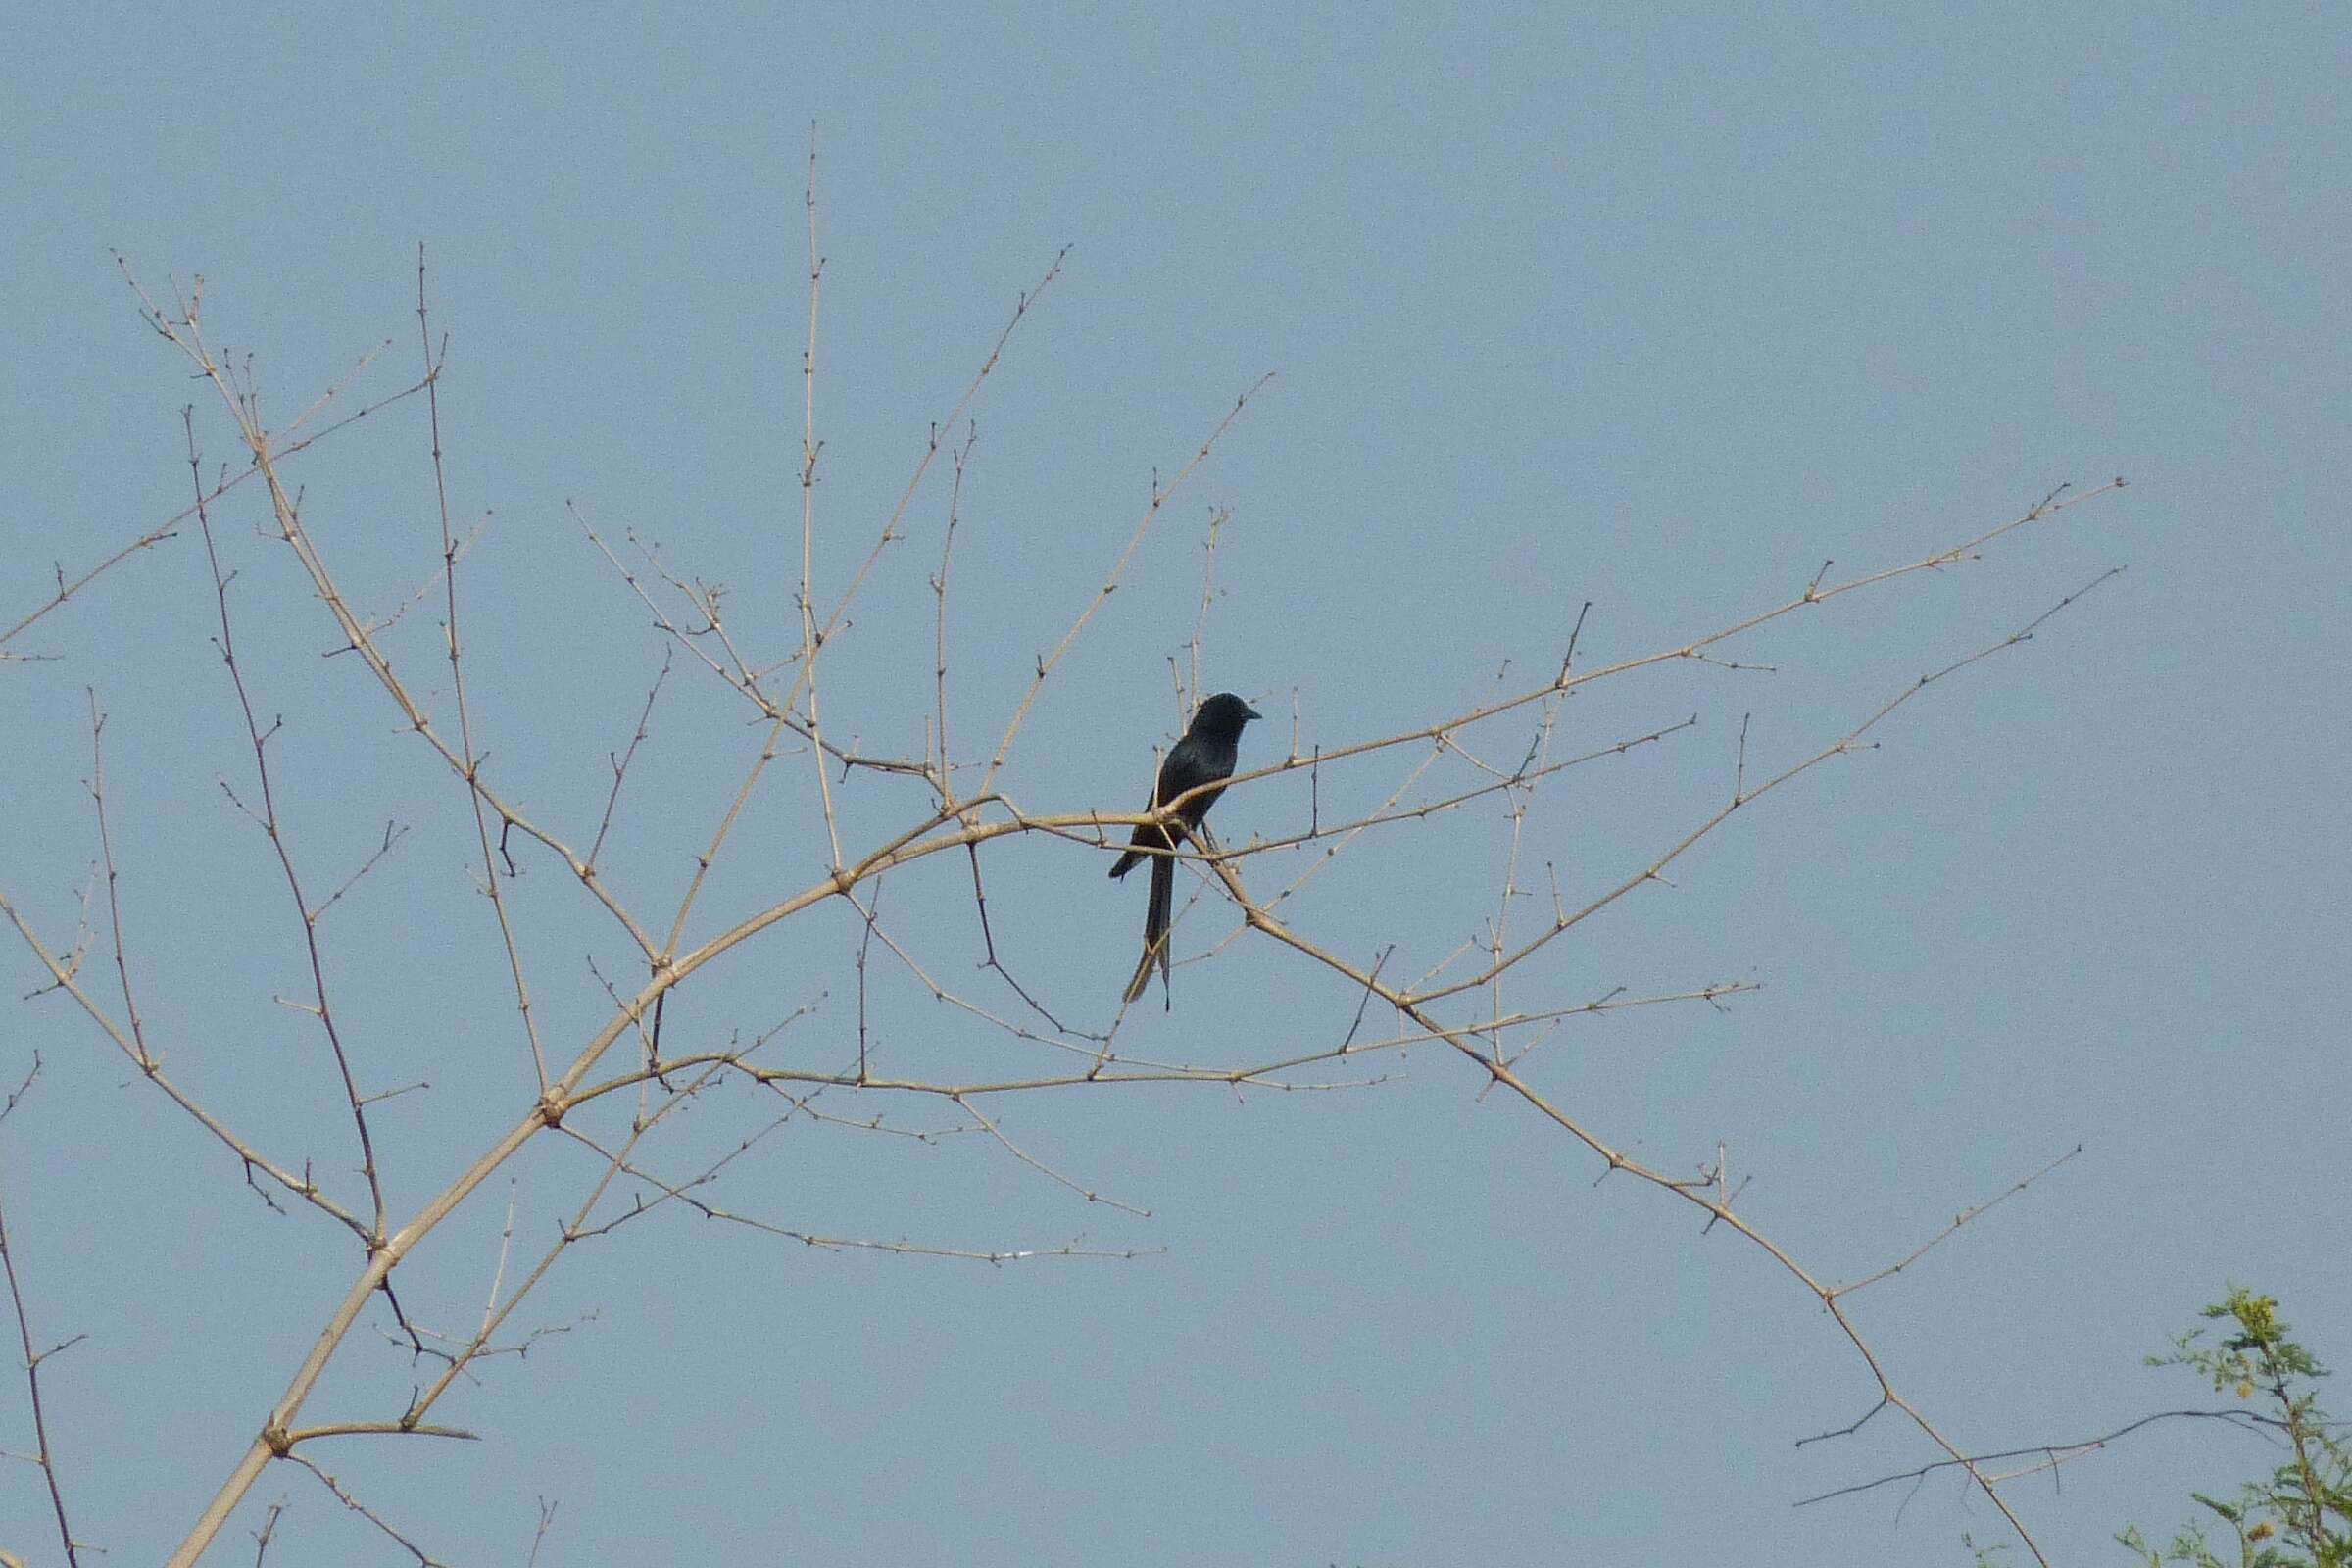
x=1655, y=307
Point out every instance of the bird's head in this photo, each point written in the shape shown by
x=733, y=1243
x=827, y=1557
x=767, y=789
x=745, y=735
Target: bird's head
x=1223, y=715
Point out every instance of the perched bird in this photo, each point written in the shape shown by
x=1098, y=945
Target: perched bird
x=1206, y=754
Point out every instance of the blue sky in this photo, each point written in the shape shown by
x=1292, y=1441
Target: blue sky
x=1658, y=310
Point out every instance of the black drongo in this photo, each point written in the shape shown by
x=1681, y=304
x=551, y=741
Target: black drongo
x=1206, y=754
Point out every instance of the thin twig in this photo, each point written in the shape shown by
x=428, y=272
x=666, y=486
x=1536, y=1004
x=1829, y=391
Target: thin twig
x=1964, y=1217
x=320, y=1006
x=1040, y=1167
x=620, y=762
x=343, y=1495
x=471, y=756
x=2053, y=1453
x=43, y=1454
x=1111, y=583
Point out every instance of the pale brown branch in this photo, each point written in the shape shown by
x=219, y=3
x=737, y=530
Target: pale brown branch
x=1111, y=583
x=813, y=636
x=1703, y=1195
x=810, y=639
x=1706, y=1194
x=1517, y=790
x=334, y=389
x=1850, y=742
x=394, y=832
x=185, y=332
x=706, y=602
x=620, y=764
x=1444, y=729
x=425, y=590
x=742, y=679
x=939, y=591
x=1190, y=696
x=683, y=1192
x=905, y=1249
x=114, y=879
x=955, y=415
x=169, y=527
x=496, y=1314
x=150, y=1067
x=381, y=1429
x=1964, y=1217
x=1040, y=1167
x=497, y=1311
x=466, y=750
x=66, y=590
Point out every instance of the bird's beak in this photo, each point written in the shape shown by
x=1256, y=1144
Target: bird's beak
x=1252, y=712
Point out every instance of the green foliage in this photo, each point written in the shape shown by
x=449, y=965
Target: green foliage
x=1996, y=1555
x=2299, y=1516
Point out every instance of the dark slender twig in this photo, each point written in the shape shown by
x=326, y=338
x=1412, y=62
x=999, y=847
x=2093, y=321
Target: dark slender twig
x=343, y=1495
x=44, y=1456
x=2053, y=1453
x=320, y=1006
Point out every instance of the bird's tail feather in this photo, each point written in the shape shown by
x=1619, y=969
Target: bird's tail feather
x=1157, y=920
